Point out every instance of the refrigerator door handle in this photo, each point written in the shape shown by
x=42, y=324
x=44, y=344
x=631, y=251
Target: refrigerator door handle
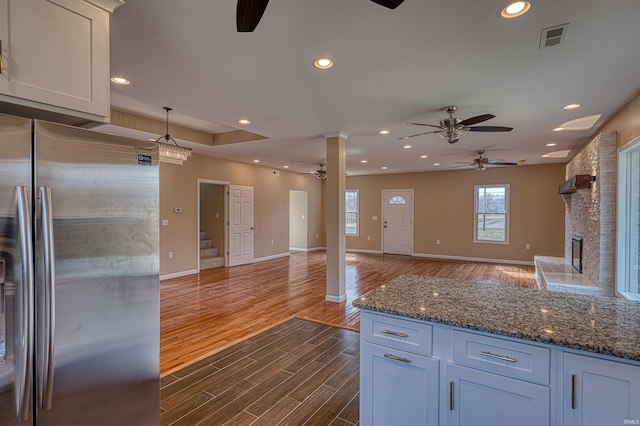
x=49, y=314
x=25, y=360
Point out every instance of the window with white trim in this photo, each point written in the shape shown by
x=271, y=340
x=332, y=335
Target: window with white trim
x=628, y=239
x=491, y=218
x=351, y=211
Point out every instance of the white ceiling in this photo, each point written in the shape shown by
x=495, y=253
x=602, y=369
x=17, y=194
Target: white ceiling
x=391, y=67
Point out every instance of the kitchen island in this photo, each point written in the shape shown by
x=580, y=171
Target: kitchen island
x=445, y=352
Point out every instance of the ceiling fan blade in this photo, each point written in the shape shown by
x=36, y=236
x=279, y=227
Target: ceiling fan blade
x=248, y=14
x=489, y=129
x=501, y=163
x=424, y=124
x=463, y=165
x=477, y=119
x=417, y=134
x=391, y=4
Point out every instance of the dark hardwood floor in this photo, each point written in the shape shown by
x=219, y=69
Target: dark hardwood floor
x=295, y=373
x=210, y=311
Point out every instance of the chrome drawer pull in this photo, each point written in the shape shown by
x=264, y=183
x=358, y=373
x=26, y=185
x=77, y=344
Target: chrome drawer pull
x=394, y=333
x=501, y=357
x=397, y=358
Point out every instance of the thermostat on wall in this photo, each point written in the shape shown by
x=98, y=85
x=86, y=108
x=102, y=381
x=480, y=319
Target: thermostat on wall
x=178, y=210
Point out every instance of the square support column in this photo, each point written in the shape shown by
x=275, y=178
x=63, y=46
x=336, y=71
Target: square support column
x=335, y=216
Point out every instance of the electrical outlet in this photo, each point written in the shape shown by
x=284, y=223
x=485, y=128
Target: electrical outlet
x=369, y=237
x=437, y=242
x=217, y=215
x=317, y=235
x=170, y=255
x=271, y=242
x=165, y=222
x=527, y=246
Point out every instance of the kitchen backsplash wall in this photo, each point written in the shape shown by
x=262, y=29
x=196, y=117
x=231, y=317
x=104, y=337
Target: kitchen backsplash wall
x=590, y=213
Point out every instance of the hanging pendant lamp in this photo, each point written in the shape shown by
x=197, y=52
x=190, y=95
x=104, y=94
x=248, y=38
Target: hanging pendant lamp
x=170, y=151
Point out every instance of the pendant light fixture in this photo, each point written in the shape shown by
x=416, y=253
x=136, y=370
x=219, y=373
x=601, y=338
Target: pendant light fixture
x=170, y=151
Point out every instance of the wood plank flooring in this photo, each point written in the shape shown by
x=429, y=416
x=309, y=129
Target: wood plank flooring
x=212, y=310
x=295, y=373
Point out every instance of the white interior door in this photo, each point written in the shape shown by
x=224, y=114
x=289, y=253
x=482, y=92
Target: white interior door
x=240, y=224
x=397, y=221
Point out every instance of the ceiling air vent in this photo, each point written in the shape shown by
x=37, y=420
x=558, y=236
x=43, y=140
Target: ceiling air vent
x=553, y=36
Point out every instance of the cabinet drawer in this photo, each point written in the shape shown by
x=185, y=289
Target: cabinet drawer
x=512, y=359
x=397, y=333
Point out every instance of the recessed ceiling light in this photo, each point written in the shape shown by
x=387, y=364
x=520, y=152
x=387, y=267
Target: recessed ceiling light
x=581, y=123
x=120, y=80
x=558, y=129
x=551, y=144
x=323, y=63
x=363, y=161
x=436, y=164
x=384, y=132
x=571, y=106
x=424, y=156
x=384, y=167
x=515, y=9
x=244, y=121
x=285, y=167
x=407, y=147
x=256, y=161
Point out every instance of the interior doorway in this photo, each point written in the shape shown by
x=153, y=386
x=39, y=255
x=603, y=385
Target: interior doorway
x=298, y=221
x=212, y=232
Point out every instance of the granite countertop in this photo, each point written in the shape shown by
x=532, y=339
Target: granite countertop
x=603, y=325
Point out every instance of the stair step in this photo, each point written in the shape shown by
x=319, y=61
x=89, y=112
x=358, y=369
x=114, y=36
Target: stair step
x=211, y=262
x=204, y=244
x=208, y=252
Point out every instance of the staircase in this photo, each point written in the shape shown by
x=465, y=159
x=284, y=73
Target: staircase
x=209, y=255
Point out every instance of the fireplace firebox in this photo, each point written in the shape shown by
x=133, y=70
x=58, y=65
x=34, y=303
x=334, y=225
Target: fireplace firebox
x=576, y=253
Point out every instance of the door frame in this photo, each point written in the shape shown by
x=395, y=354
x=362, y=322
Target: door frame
x=224, y=218
x=383, y=216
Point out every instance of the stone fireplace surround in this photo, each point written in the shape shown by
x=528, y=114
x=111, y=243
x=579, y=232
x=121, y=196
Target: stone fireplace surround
x=590, y=215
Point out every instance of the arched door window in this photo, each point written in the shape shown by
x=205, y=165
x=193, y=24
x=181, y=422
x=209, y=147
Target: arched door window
x=397, y=199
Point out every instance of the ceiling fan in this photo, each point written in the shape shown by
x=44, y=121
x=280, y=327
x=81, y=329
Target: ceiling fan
x=321, y=173
x=482, y=163
x=450, y=129
x=249, y=12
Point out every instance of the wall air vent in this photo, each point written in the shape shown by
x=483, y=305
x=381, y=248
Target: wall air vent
x=553, y=36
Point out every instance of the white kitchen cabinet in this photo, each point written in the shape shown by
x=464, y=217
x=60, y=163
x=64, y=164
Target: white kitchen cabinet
x=599, y=392
x=478, y=398
x=55, y=56
x=397, y=387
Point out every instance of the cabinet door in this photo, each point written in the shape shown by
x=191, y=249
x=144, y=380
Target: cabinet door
x=397, y=388
x=600, y=392
x=55, y=55
x=477, y=398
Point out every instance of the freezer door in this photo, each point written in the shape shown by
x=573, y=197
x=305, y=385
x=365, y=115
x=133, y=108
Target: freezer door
x=97, y=300
x=16, y=281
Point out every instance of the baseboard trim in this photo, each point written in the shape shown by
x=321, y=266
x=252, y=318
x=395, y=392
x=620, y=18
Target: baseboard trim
x=316, y=249
x=178, y=274
x=335, y=299
x=364, y=251
x=474, y=259
x=298, y=249
x=275, y=256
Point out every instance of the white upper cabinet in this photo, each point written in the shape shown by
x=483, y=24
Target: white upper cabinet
x=55, y=56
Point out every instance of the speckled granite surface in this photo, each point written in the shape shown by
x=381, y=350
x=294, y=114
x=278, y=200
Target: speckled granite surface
x=597, y=324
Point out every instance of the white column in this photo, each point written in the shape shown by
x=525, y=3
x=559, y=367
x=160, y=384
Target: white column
x=335, y=216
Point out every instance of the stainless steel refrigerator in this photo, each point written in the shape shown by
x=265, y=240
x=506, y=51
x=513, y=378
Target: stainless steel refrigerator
x=79, y=283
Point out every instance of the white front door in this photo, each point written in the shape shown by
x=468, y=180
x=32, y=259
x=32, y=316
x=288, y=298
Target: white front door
x=240, y=225
x=397, y=221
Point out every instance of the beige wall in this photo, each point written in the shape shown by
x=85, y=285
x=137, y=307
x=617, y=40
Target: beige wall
x=178, y=188
x=626, y=122
x=443, y=209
